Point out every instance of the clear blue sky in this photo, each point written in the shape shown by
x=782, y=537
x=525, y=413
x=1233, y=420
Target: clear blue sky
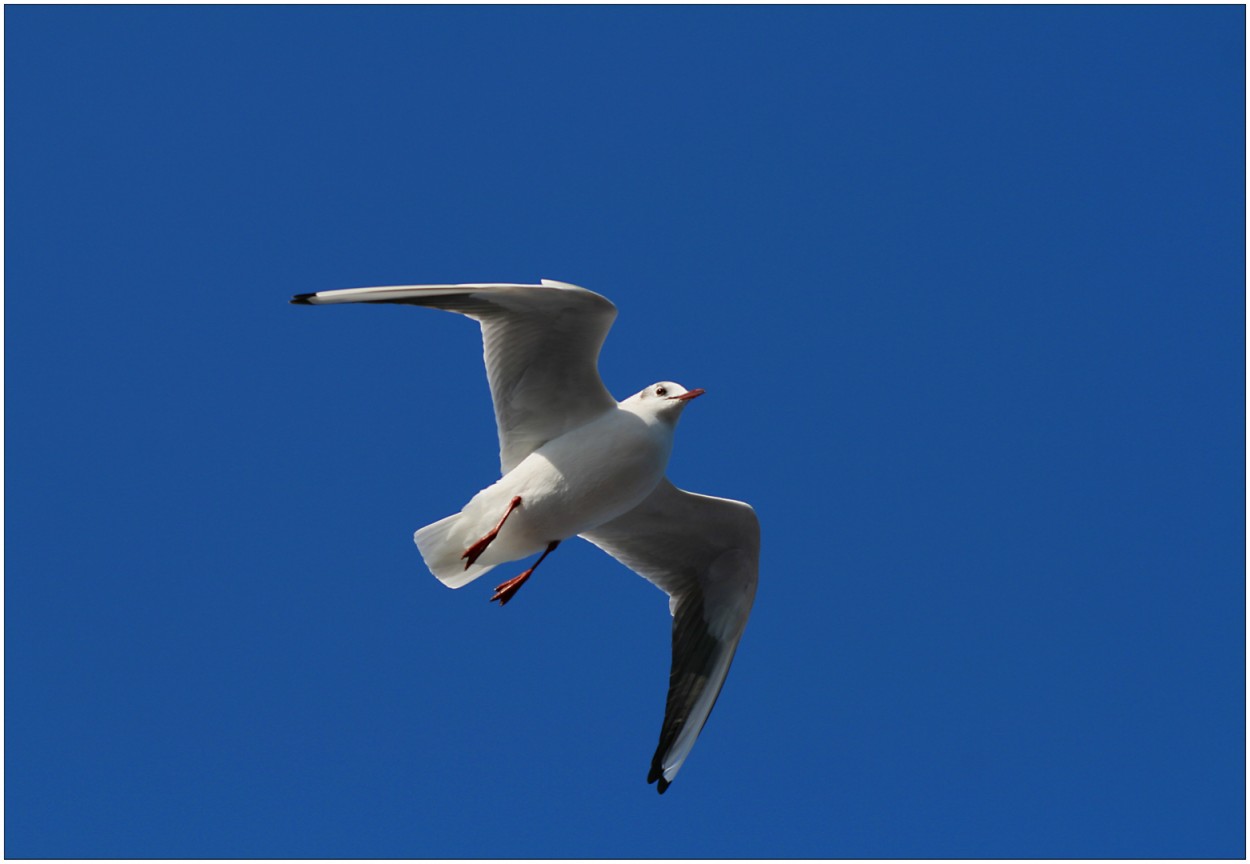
x=964, y=286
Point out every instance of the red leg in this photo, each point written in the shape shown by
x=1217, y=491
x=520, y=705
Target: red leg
x=506, y=590
x=474, y=551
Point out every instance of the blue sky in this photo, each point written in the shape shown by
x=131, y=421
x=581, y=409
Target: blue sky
x=964, y=286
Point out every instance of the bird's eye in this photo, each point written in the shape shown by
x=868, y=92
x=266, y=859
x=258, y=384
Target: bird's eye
x=661, y=391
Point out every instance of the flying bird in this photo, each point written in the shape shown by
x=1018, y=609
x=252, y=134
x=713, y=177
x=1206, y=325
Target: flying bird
x=576, y=462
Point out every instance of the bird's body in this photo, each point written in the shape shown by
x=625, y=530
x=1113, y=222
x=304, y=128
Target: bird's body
x=579, y=481
x=575, y=462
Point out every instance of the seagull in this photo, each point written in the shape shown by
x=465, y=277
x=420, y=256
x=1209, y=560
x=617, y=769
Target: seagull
x=576, y=462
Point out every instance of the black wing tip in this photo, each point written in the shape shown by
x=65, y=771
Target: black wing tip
x=302, y=299
x=657, y=775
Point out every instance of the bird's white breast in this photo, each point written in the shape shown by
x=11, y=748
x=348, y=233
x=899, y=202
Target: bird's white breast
x=583, y=479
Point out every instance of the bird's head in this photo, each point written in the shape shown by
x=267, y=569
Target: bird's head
x=664, y=400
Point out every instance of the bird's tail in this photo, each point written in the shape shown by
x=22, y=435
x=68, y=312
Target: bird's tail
x=442, y=545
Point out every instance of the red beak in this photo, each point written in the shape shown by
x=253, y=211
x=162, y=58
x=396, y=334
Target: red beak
x=689, y=394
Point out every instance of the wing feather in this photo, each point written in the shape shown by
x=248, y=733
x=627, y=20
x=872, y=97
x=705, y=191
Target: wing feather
x=704, y=553
x=541, y=347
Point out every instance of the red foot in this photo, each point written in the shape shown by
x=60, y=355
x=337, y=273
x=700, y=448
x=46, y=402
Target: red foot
x=472, y=553
x=507, y=590
x=475, y=551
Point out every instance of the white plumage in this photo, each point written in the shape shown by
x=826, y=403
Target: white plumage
x=575, y=462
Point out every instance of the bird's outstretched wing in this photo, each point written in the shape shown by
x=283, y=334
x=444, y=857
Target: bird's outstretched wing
x=704, y=553
x=541, y=344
